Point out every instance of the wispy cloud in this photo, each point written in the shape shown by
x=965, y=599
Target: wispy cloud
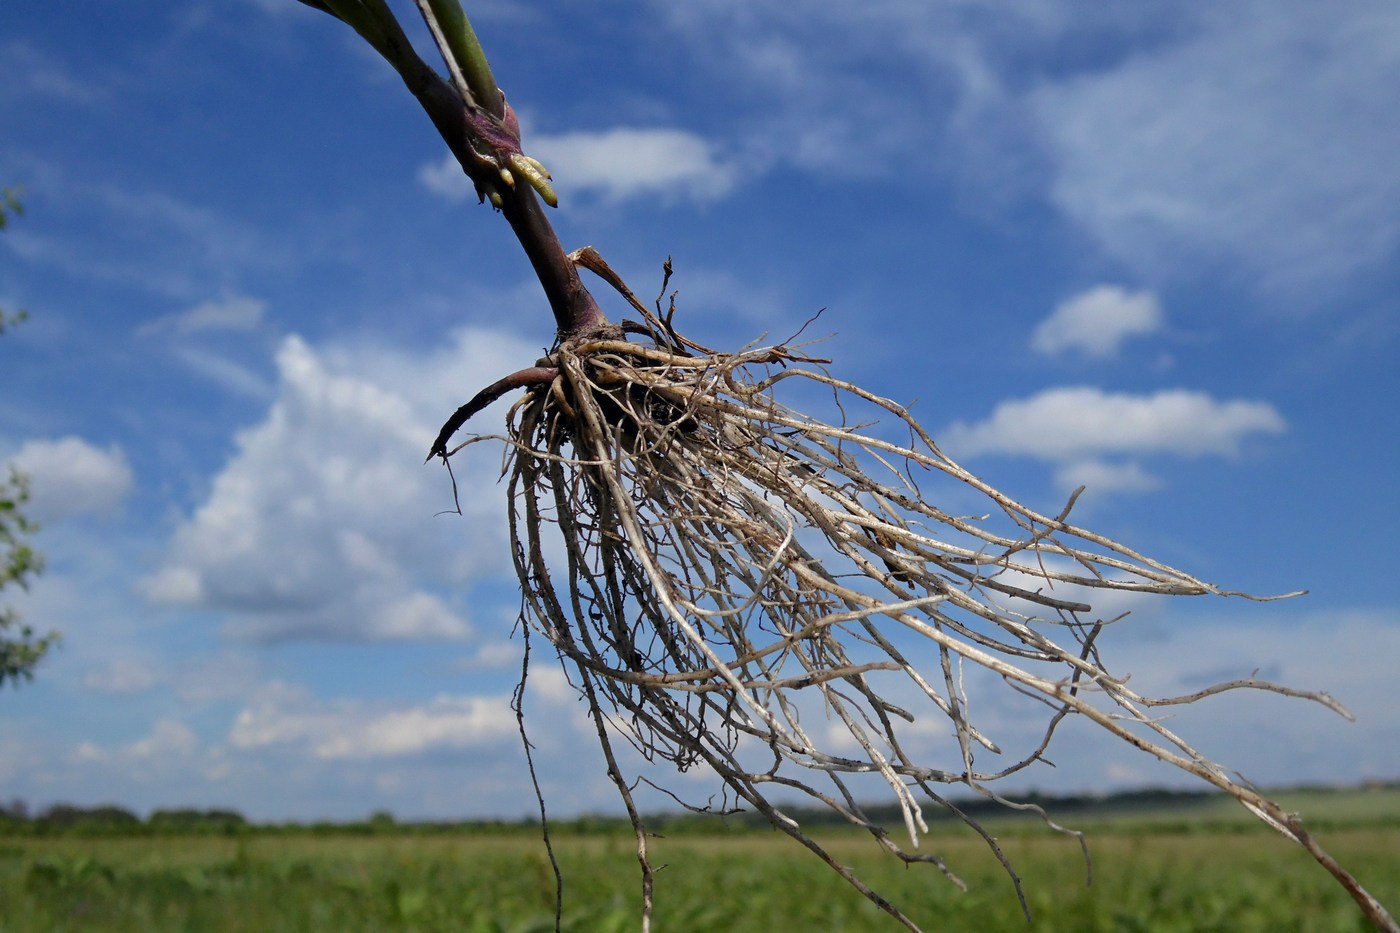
x=145, y=236
x=168, y=739
x=235, y=313
x=26, y=71
x=359, y=730
x=122, y=677
x=227, y=374
x=1255, y=137
x=198, y=338
x=1264, y=138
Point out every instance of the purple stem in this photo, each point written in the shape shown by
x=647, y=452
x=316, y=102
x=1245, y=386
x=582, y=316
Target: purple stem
x=533, y=376
x=498, y=136
x=575, y=311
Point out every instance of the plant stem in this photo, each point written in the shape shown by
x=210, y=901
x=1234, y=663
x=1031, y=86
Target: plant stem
x=469, y=56
x=575, y=311
x=477, y=131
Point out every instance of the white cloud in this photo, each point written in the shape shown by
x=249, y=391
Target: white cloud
x=1254, y=137
x=1265, y=138
x=142, y=237
x=1268, y=738
x=122, y=677
x=322, y=525
x=1068, y=424
x=410, y=751
x=359, y=731
x=445, y=178
x=1175, y=647
x=28, y=72
x=1098, y=321
x=70, y=476
x=167, y=740
x=492, y=655
x=416, y=615
x=1102, y=476
x=168, y=737
x=235, y=313
x=627, y=162
x=225, y=373
x=616, y=164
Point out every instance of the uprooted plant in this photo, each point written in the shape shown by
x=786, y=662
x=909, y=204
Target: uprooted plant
x=736, y=583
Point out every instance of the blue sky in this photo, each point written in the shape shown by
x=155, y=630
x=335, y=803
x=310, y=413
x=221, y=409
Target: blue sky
x=1150, y=247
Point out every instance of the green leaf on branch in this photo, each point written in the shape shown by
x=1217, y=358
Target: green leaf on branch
x=20, y=650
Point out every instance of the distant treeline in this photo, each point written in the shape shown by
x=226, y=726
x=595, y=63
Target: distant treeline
x=111, y=820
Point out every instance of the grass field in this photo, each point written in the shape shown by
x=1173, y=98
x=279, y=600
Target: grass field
x=1221, y=879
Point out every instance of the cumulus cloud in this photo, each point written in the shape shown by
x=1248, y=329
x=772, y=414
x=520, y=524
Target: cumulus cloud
x=627, y=162
x=1080, y=428
x=322, y=523
x=357, y=730
x=616, y=164
x=70, y=476
x=1097, y=322
x=1066, y=423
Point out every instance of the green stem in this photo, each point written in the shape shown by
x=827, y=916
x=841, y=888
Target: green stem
x=468, y=54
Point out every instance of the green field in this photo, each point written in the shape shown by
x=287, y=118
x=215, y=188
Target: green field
x=1223, y=878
